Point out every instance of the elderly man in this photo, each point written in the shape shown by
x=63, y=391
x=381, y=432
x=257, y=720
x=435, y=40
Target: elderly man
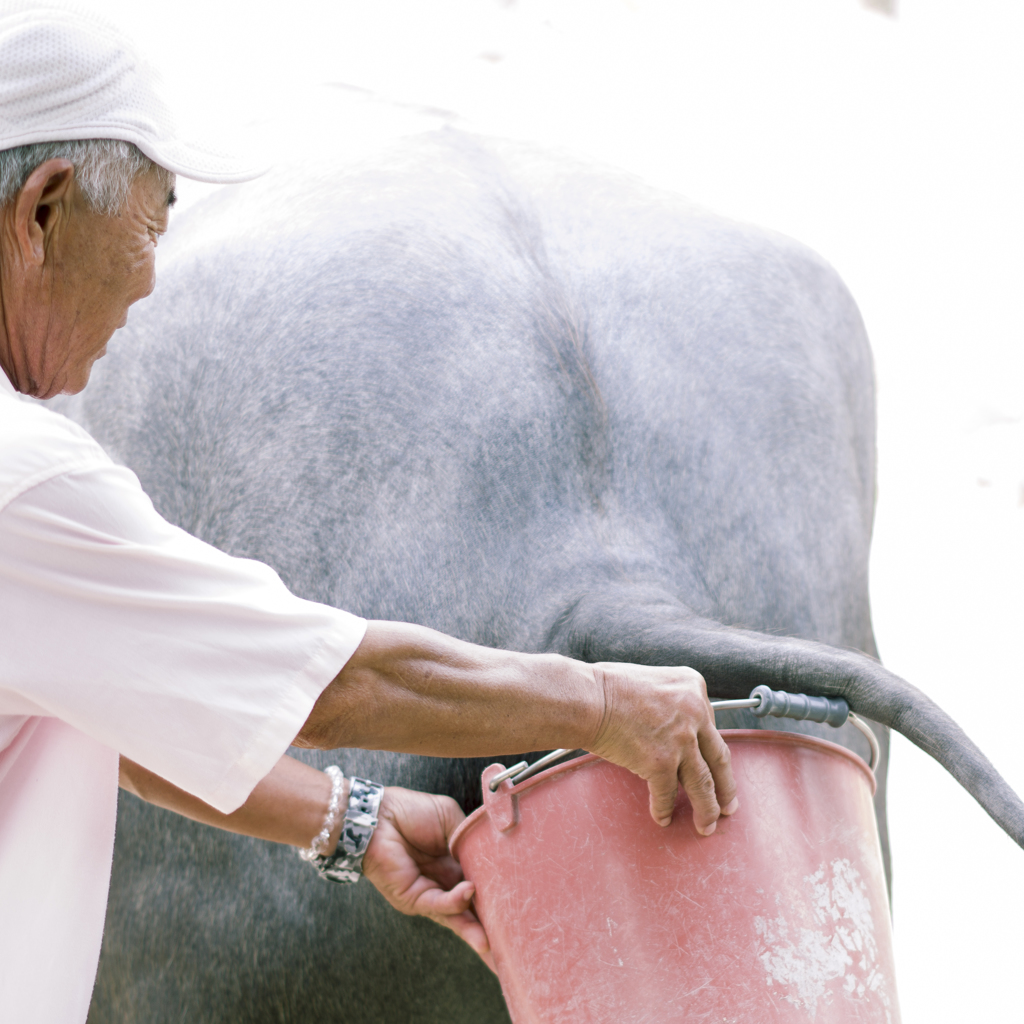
x=133, y=650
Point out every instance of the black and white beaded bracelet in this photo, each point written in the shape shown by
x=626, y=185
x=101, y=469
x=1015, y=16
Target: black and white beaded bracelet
x=345, y=865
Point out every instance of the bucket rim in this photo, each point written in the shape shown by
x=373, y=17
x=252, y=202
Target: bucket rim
x=793, y=739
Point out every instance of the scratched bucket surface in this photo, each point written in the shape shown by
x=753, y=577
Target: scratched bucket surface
x=598, y=916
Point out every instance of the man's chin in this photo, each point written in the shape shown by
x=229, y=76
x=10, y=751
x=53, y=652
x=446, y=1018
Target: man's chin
x=77, y=378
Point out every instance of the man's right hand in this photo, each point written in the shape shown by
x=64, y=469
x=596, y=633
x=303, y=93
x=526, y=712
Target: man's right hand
x=658, y=723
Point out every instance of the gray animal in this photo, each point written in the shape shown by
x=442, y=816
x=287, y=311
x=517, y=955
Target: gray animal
x=528, y=403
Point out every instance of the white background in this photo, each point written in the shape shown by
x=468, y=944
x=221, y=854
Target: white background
x=892, y=146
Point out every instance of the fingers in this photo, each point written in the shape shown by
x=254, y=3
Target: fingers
x=663, y=788
x=437, y=902
x=453, y=909
x=718, y=758
x=699, y=783
x=708, y=781
x=705, y=771
x=706, y=774
x=471, y=931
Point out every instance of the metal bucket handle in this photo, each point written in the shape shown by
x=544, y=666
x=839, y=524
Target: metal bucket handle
x=763, y=701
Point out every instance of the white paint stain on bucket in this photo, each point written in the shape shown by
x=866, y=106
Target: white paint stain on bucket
x=808, y=961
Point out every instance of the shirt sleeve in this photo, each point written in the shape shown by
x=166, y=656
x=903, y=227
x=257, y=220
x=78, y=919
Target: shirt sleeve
x=199, y=666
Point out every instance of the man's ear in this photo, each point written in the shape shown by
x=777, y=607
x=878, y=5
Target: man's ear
x=42, y=208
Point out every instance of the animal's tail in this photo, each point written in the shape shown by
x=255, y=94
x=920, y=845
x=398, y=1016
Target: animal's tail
x=734, y=661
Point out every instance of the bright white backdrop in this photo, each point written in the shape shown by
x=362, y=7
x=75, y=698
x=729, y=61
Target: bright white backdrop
x=892, y=146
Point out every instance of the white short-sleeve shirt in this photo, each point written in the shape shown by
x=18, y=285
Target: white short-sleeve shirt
x=121, y=634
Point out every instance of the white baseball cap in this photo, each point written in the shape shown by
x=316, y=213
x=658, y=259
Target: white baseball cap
x=66, y=74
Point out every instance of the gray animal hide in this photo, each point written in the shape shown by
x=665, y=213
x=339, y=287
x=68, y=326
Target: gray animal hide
x=530, y=404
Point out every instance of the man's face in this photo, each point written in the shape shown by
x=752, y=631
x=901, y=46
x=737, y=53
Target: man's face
x=60, y=314
x=108, y=263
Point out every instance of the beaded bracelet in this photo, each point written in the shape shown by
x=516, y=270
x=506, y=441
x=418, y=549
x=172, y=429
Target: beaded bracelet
x=318, y=847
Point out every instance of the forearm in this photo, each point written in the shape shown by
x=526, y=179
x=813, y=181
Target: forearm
x=414, y=690
x=407, y=859
x=287, y=806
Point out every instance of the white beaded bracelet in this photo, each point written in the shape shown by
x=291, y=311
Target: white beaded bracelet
x=318, y=847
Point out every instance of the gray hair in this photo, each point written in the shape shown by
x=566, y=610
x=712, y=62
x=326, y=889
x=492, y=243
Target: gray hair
x=105, y=169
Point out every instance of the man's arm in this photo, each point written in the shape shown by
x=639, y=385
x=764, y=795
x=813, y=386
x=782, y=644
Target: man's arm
x=414, y=690
x=286, y=806
x=407, y=859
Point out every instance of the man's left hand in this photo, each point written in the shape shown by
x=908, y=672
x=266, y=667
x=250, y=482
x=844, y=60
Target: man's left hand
x=408, y=862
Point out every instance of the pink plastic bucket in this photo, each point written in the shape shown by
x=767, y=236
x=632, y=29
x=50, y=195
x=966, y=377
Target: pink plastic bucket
x=598, y=916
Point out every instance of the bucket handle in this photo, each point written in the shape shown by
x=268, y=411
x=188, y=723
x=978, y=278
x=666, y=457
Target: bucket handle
x=762, y=701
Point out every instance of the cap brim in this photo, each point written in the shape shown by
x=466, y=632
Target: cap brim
x=202, y=163
x=189, y=160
